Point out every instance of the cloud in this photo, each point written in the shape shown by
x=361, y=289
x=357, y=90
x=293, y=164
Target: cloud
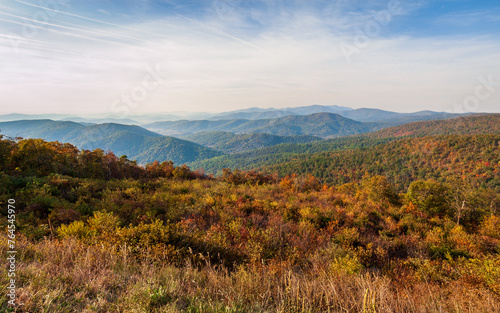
x=468, y=18
x=269, y=54
x=103, y=11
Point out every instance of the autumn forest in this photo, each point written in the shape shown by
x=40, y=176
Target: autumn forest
x=405, y=224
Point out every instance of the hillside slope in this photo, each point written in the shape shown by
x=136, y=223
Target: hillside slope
x=134, y=141
x=464, y=125
x=320, y=124
x=96, y=231
x=270, y=156
x=472, y=157
x=233, y=143
x=394, y=118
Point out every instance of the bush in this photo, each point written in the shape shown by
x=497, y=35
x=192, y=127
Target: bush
x=430, y=197
x=491, y=227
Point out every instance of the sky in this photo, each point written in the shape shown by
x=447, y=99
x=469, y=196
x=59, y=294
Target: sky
x=163, y=56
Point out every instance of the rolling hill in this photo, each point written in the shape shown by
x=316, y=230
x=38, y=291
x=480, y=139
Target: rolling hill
x=319, y=124
x=394, y=118
x=360, y=115
x=403, y=161
x=134, y=141
x=233, y=143
x=277, y=140
x=265, y=158
x=463, y=125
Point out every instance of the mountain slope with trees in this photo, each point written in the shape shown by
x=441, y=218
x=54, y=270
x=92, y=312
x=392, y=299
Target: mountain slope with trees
x=475, y=158
x=133, y=141
x=95, y=232
x=232, y=143
x=464, y=125
x=268, y=157
x=320, y=124
x=360, y=115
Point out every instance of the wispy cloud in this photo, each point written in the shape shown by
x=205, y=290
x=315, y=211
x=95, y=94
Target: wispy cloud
x=468, y=18
x=250, y=53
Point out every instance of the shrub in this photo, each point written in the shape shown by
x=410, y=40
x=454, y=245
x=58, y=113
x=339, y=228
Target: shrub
x=379, y=190
x=430, y=197
x=491, y=227
x=102, y=226
x=77, y=229
x=346, y=265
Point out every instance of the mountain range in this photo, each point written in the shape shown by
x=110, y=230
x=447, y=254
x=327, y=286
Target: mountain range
x=211, y=139
x=323, y=124
x=278, y=156
x=134, y=141
x=361, y=115
x=260, y=113
x=318, y=124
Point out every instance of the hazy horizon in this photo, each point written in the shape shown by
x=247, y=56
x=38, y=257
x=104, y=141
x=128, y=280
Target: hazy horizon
x=128, y=58
x=188, y=114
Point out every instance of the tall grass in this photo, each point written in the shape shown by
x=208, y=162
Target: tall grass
x=69, y=276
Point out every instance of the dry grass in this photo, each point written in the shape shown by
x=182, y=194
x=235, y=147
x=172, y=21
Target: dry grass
x=68, y=276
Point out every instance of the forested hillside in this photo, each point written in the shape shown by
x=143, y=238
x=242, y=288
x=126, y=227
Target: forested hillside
x=465, y=125
x=90, y=226
x=133, y=141
x=270, y=157
x=393, y=118
x=360, y=115
x=233, y=143
x=472, y=159
x=320, y=124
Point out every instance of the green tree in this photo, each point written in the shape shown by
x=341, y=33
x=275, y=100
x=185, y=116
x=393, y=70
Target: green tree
x=35, y=157
x=379, y=189
x=6, y=149
x=430, y=197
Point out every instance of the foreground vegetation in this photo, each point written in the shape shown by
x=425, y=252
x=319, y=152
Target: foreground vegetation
x=97, y=233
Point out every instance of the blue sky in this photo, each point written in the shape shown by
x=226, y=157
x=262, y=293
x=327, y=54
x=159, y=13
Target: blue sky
x=133, y=57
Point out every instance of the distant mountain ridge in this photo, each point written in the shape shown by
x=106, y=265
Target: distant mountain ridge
x=319, y=124
x=203, y=139
x=394, y=118
x=259, y=113
x=293, y=122
x=360, y=115
x=255, y=113
x=131, y=140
